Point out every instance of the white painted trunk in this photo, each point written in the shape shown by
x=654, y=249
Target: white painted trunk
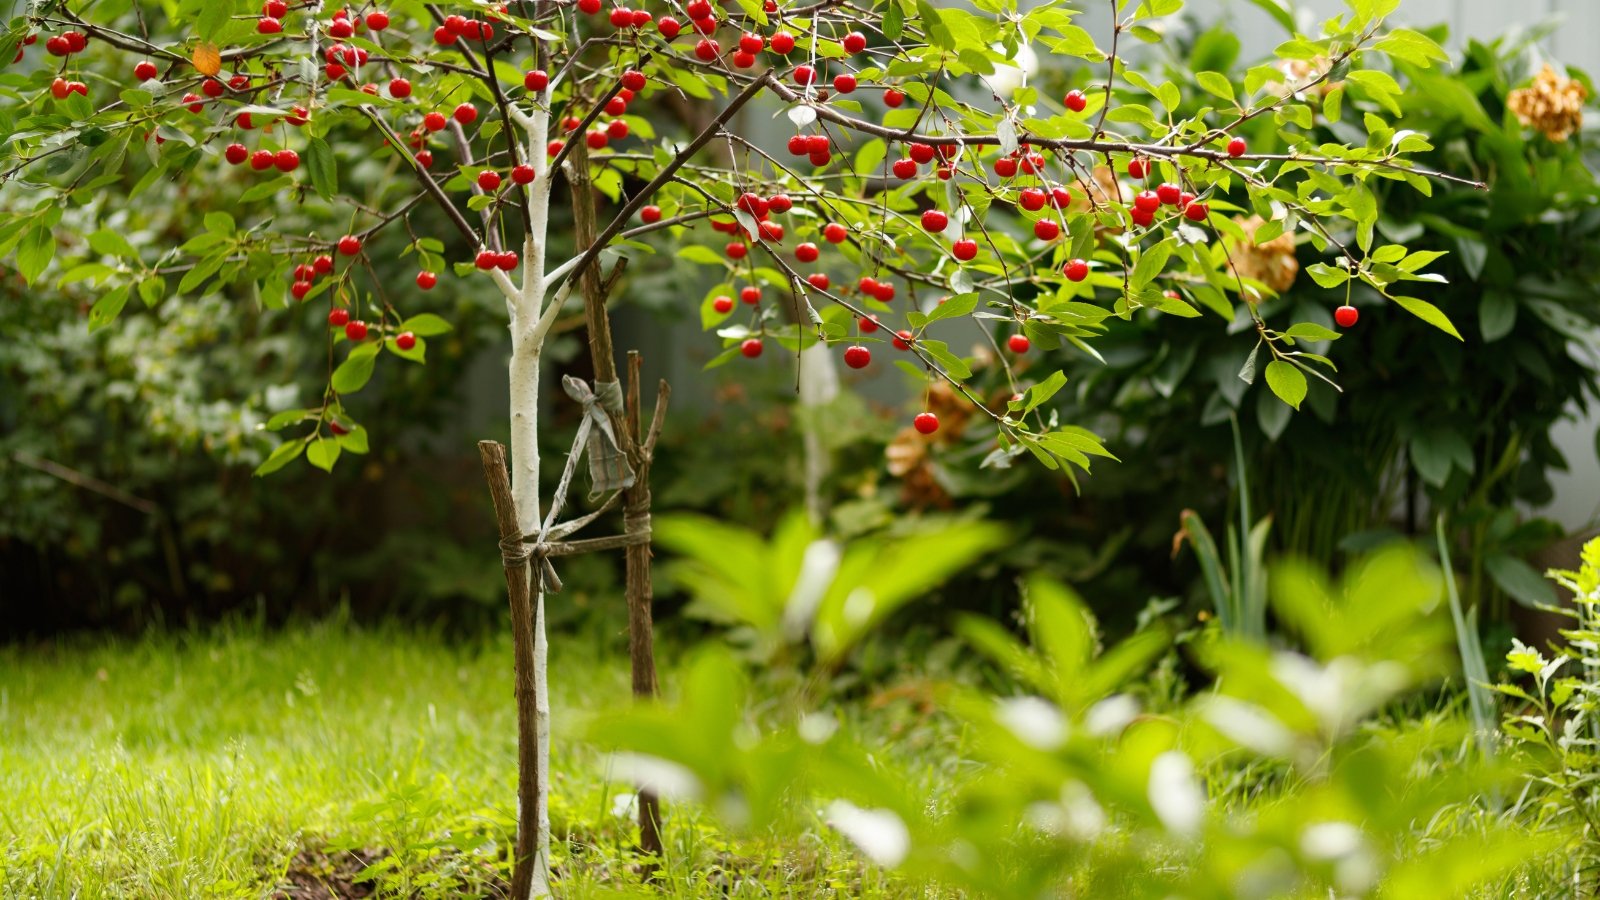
x=529, y=326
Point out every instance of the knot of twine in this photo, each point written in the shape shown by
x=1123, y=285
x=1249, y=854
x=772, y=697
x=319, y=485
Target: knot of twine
x=608, y=465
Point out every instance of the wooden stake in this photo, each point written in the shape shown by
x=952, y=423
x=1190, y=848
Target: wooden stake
x=515, y=556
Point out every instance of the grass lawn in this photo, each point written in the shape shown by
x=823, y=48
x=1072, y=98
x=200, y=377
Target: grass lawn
x=234, y=763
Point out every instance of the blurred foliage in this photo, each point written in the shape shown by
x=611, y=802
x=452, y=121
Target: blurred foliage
x=1282, y=780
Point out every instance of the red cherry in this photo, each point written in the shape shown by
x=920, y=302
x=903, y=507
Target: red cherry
x=902, y=340
x=621, y=18
x=743, y=60
x=1147, y=201
x=405, y=340
x=488, y=181
x=634, y=80
x=1143, y=217
x=845, y=83
x=76, y=41
x=934, y=221
x=145, y=70
x=650, y=214
x=356, y=330
x=752, y=43
x=1138, y=168
x=536, y=81
x=56, y=46
x=1075, y=101
x=458, y=24
x=698, y=9
x=323, y=264
x=1196, y=212
x=1018, y=343
x=1033, y=163
x=554, y=148
x=236, y=154
x=596, y=139
x=798, y=145
x=1046, y=230
x=424, y=158
x=922, y=153
x=507, y=260
x=617, y=105
x=268, y=25
x=964, y=249
x=1005, y=167
x=707, y=50
x=341, y=28
x=751, y=348
x=434, y=121
x=750, y=294
x=466, y=114
x=399, y=88
x=349, y=245
x=819, y=280
x=239, y=82
x=616, y=129
x=780, y=203
x=286, y=160
x=782, y=43
x=805, y=75
x=262, y=160
x=926, y=423
x=426, y=280
x=300, y=289
x=722, y=304
x=1060, y=197
x=641, y=18
x=59, y=89
x=867, y=325
x=443, y=36
x=212, y=88
x=297, y=116
x=589, y=7
x=1032, y=199
x=377, y=20
x=1237, y=147
x=884, y=291
x=486, y=260
x=770, y=231
x=669, y=27
x=736, y=250
x=1346, y=316
x=1076, y=270
x=905, y=169
x=1169, y=193
x=834, y=233
x=275, y=8
x=571, y=123
x=817, y=143
x=893, y=98
x=523, y=174
x=338, y=317
x=857, y=356
x=854, y=42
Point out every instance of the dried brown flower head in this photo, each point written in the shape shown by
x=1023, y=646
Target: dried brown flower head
x=1552, y=105
x=1273, y=263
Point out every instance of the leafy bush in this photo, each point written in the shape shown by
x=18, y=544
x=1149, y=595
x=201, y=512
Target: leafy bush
x=1281, y=780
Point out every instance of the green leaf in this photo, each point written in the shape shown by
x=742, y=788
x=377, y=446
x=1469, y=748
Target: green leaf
x=1287, y=381
x=112, y=243
x=1327, y=276
x=280, y=457
x=1496, y=316
x=1429, y=313
x=105, y=310
x=701, y=254
x=353, y=374
x=1520, y=580
x=954, y=307
x=1151, y=264
x=1216, y=84
x=323, y=168
x=37, y=249
x=354, y=440
x=1311, y=331
x=323, y=453
x=425, y=325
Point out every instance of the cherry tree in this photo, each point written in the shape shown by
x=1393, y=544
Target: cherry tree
x=927, y=186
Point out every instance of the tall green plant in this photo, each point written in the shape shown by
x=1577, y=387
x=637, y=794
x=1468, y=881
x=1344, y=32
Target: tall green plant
x=1239, y=589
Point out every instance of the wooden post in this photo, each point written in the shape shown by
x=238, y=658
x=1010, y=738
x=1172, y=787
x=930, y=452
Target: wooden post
x=636, y=499
x=515, y=556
